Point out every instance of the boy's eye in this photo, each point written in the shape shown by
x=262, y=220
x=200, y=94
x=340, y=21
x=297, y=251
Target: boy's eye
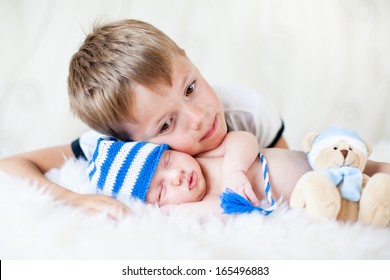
x=190, y=89
x=165, y=127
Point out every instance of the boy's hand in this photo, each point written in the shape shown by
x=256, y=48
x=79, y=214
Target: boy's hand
x=239, y=183
x=97, y=203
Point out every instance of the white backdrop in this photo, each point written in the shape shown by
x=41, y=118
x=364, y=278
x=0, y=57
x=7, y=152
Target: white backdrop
x=319, y=62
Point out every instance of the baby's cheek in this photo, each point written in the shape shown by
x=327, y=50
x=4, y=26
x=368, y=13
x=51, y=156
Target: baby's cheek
x=148, y=198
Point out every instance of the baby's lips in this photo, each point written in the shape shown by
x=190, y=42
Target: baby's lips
x=192, y=180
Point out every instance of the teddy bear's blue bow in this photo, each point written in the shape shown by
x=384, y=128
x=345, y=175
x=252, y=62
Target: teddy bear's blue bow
x=351, y=178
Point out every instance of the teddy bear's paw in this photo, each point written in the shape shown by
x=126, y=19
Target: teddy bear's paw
x=317, y=195
x=378, y=217
x=320, y=211
x=375, y=201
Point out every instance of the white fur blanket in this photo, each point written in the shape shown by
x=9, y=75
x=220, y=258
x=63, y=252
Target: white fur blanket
x=33, y=226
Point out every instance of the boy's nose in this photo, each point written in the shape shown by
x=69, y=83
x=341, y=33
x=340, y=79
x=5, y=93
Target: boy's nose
x=196, y=118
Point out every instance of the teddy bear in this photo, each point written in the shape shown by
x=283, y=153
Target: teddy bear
x=337, y=188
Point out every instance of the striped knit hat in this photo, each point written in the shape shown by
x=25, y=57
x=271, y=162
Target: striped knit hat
x=124, y=169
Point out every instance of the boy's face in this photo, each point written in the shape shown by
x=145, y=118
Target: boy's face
x=188, y=116
x=178, y=179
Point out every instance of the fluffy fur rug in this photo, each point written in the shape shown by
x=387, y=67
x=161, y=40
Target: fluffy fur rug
x=33, y=226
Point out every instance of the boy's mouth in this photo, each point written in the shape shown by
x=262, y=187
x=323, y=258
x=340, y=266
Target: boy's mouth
x=210, y=132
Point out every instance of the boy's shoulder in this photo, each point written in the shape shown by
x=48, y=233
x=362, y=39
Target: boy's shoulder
x=243, y=106
x=236, y=96
x=246, y=109
x=243, y=100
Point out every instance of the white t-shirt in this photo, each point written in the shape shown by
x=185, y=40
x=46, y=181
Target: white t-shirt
x=245, y=109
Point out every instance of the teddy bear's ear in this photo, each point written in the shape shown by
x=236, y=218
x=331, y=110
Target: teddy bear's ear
x=369, y=148
x=308, y=141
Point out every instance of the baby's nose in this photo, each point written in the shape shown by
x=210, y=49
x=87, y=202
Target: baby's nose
x=176, y=177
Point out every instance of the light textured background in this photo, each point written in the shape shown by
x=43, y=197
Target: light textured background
x=320, y=62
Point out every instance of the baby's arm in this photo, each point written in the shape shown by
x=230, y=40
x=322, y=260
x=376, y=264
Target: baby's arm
x=34, y=165
x=239, y=150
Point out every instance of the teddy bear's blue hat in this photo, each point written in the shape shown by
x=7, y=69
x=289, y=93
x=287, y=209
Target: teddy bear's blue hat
x=332, y=136
x=338, y=132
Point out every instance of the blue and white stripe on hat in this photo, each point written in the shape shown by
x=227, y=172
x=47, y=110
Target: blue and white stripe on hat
x=332, y=136
x=124, y=169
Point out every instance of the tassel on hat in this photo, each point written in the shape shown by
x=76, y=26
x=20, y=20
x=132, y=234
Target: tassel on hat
x=233, y=203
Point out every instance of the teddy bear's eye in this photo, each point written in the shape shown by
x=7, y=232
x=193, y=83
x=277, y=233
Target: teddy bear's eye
x=335, y=148
x=350, y=149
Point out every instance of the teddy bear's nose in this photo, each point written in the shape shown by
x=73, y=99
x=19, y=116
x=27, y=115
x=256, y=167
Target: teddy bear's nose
x=344, y=153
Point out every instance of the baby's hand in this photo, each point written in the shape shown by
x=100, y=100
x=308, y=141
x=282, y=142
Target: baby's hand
x=239, y=183
x=96, y=203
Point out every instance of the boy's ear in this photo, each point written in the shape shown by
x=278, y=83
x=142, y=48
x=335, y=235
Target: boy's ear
x=308, y=141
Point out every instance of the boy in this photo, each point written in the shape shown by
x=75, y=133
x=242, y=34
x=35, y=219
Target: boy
x=157, y=175
x=130, y=81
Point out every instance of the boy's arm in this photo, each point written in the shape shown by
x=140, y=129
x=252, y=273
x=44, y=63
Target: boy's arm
x=373, y=167
x=281, y=144
x=33, y=166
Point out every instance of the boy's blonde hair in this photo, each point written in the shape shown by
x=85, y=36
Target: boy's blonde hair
x=111, y=59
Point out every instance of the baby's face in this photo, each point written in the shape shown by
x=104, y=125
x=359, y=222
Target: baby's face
x=187, y=115
x=178, y=179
